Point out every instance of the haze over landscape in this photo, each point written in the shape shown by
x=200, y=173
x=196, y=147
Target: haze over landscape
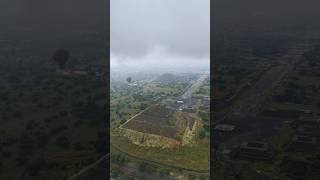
x=159, y=89
x=50, y=52
x=265, y=89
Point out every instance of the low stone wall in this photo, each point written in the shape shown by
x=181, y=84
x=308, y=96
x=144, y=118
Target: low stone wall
x=148, y=140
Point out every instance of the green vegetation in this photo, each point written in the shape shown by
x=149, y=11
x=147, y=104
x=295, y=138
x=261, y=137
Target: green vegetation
x=202, y=134
x=193, y=157
x=119, y=159
x=238, y=71
x=149, y=133
x=54, y=120
x=205, y=116
x=164, y=171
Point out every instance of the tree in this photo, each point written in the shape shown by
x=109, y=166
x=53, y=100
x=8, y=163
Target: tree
x=36, y=166
x=101, y=142
x=78, y=146
x=191, y=177
x=202, y=177
x=143, y=166
x=204, y=116
x=119, y=159
x=42, y=139
x=63, y=142
x=143, y=106
x=31, y=124
x=114, y=173
x=164, y=171
x=202, y=134
x=318, y=104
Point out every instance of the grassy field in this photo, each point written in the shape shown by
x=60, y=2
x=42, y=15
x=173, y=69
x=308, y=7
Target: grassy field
x=194, y=157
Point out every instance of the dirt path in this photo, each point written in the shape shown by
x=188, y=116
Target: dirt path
x=97, y=170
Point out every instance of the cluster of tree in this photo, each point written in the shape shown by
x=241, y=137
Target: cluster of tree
x=101, y=142
x=63, y=142
x=193, y=177
x=90, y=112
x=238, y=73
x=293, y=93
x=120, y=159
x=145, y=167
x=202, y=134
x=313, y=56
x=219, y=83
x=298, y=169
x=143, y=106
x=204, y=90
x=164, y=171
x=35, y=167
x=117, y=174
x=205, y=116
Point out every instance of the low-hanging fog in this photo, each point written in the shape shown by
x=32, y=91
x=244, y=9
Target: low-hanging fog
x=160, y=35
x=255, y=17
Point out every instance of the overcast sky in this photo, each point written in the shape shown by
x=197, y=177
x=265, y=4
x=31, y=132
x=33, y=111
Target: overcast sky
x=160, y=34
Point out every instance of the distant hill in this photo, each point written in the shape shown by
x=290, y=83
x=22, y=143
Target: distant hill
x=167, y=78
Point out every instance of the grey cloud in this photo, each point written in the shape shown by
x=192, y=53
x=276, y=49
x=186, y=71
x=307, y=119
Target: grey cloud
x=179, y=27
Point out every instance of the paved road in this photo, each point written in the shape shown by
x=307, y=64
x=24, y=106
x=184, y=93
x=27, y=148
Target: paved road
x=194, y=87
x=253, y=97
x=250, y=101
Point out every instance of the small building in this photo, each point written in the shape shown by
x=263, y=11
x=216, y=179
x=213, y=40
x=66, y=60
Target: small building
x=180, y=102
x=156, y=98
x=189, y=109
x=172, y=104
x=133, y=84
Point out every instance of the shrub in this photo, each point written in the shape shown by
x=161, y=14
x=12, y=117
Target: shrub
x=63, y=142
x=202, y=134
x=164, y=171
